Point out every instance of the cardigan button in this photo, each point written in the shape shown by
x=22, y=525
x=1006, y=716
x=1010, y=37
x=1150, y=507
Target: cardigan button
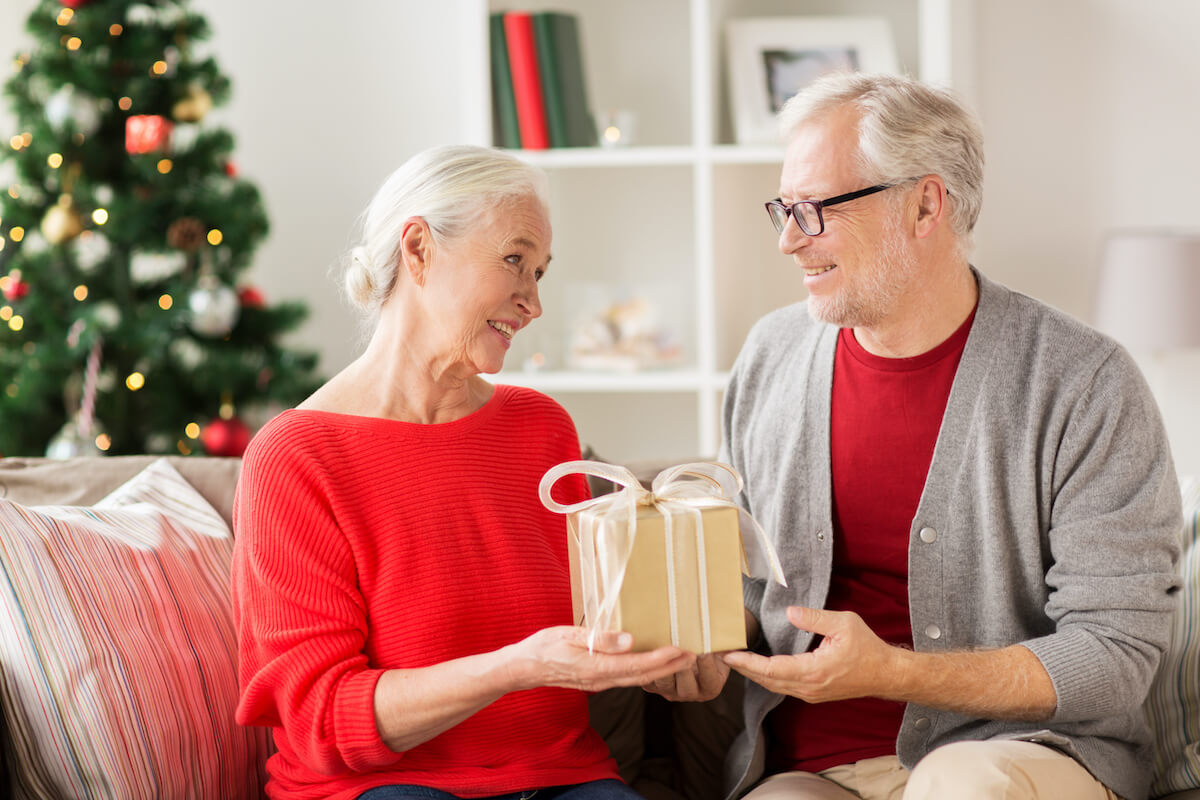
x=922, y=724
x=821, y=536
x=933, y=631
x=928, y=535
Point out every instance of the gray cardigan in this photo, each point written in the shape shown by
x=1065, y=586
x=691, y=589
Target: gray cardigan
x=1053, y=514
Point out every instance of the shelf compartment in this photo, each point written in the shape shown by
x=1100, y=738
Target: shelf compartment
x=615, y=425
x=751, y=277
x=600, y=280
x=623, y=42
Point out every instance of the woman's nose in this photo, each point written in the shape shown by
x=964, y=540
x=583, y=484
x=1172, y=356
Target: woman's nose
x=528, y=301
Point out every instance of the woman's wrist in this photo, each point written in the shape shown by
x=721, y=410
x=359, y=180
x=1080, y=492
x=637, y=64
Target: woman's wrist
x=517, y=671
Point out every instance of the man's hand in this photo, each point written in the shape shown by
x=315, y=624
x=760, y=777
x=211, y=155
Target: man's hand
x=703, y=681
x=851, y=661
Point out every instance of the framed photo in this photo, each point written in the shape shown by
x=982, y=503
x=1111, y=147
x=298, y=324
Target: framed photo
x=772, y=58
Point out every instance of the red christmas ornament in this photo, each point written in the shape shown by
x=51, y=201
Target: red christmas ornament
x=225, y=437
x=251, y=297
x=147, y=133
x=14, y=290
x=231, y=169
x=75, y=3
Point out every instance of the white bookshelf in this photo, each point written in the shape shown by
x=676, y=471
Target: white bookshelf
x=678, y=217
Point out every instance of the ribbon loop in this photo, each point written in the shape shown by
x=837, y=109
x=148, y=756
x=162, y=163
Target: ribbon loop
x=609, y=472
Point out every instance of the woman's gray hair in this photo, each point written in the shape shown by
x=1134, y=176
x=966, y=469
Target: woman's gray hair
x=906, y=129
x=450, y=187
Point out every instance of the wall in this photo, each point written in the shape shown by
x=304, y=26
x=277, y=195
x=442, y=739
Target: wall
x=1091, y=123
x=1088, y=105
x=324, y=106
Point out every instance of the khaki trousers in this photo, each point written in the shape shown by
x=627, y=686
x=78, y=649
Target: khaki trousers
x=994, y=770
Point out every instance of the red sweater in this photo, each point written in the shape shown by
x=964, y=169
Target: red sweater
x=366, y=544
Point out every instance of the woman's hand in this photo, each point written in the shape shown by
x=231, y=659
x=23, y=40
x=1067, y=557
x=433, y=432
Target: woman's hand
x=560, y=657
x=414, y=705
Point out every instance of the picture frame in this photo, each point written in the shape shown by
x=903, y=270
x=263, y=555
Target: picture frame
x=772, y=58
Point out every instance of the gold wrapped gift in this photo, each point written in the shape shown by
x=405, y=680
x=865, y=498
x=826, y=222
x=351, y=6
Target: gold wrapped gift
x=672, y=576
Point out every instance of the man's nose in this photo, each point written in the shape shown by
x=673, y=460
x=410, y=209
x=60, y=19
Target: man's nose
x=791, y=238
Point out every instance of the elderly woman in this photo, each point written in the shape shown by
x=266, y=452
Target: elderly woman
x=402, y=597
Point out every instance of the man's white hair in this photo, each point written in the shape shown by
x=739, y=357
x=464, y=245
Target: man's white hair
x=906, y=129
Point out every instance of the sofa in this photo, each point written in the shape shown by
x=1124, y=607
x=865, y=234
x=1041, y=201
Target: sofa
x=117, y=657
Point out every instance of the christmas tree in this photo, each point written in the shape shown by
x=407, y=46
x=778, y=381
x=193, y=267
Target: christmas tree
x=123, y=228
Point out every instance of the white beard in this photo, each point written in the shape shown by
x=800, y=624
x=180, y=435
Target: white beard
x=873, y=296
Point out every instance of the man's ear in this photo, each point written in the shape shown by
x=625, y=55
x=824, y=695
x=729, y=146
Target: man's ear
x=416, y=249
x=931, y=205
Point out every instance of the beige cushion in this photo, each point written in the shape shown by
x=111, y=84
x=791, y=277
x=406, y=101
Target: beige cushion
x=83, y=481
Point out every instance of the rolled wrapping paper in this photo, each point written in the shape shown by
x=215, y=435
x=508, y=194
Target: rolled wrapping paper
x=677, y=492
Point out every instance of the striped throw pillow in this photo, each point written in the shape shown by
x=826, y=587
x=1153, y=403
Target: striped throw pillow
x=118, y=662
x=1173, y=707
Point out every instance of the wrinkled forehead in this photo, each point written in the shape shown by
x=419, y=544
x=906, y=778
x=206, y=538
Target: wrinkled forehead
x=519, y=219
x=822, y=156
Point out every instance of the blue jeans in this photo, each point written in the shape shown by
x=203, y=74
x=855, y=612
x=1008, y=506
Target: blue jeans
x=609, y=789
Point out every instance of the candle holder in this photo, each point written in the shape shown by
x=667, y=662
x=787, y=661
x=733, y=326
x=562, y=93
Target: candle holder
x=616, y=127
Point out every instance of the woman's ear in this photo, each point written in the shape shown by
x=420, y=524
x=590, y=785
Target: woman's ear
x=931, y=204
x=416, y=249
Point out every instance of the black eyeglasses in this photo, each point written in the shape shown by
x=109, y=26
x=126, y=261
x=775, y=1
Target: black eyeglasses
x=808, y=212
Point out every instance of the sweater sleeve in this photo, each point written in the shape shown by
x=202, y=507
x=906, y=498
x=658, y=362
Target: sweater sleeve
x=300, y=617
x=1114, y=541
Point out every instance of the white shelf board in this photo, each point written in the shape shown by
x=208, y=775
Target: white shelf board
x=651, y=156
x=608, y=156
x=580, y=381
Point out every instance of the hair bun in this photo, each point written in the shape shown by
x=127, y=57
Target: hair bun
x=360, y=277
x=361, y=257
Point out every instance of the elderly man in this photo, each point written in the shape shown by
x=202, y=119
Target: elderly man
x=972, y=493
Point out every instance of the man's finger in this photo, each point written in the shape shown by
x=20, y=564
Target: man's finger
x=752, y=665
x=664, y=686
x=689, y=684
x=814, y=620
x=712, y=673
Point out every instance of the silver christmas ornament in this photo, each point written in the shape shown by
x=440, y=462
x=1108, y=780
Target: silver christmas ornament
x=69, y=105
x=184, y=136
x=106, y=315
x=151, y=267
x=70, y=442
x=186, y=352
x=91, y=248
x=214, y=308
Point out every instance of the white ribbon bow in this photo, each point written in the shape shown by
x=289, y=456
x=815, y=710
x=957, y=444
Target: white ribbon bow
x=683, y=489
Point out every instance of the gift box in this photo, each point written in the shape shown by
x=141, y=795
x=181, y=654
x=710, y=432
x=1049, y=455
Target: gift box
x=665, y=565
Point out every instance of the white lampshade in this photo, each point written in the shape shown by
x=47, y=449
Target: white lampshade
x=1149, y=293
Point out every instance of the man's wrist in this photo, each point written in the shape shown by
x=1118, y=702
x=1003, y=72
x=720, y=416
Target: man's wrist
x=901, y=674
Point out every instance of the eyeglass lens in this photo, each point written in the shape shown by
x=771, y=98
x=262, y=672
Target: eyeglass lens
x=808, y=216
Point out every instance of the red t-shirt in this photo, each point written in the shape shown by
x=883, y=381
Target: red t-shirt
x=885, y=420
x=365, y=544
